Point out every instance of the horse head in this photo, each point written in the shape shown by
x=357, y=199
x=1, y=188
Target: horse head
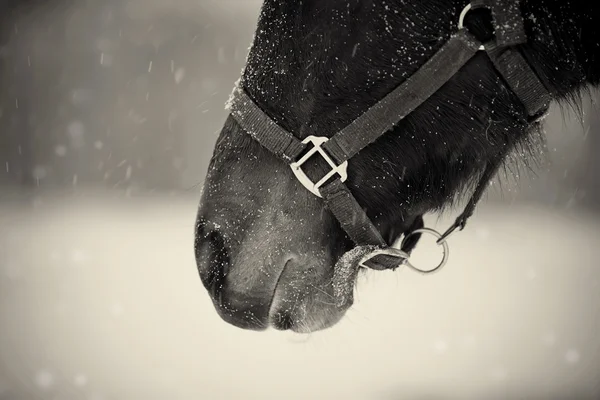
x=265, y=246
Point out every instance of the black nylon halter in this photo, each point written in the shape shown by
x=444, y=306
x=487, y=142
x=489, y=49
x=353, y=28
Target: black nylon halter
x=383, y=116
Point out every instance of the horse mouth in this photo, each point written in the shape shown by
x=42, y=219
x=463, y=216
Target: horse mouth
x=255, y=292
x=278, y=318
x=303, y=301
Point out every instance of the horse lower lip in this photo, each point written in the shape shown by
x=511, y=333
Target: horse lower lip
x=244, y=319
x=282, y=321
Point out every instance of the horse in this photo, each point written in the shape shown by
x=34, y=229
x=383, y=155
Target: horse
x=267, y=249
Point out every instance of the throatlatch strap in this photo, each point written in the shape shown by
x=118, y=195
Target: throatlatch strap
x=521, y=79
x=509, y=28
x=507, y=20
x=403, y=100
x=263, y=129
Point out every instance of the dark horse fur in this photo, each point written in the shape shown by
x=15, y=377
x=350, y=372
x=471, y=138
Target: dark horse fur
x=265, y=246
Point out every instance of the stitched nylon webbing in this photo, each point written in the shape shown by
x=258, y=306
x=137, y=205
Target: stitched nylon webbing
x=350, y=214
x=522, y=80
x=403, y=100
x=263, y=129
x=356, y=223
x=507, y=20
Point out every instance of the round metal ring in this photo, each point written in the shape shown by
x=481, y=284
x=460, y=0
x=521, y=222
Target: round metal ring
x=461, y=20
x=463, y=14
x=445, y=249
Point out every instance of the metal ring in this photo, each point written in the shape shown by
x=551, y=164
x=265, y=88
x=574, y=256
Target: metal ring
x=463, y=14
x=445, y=249
x=461, y=20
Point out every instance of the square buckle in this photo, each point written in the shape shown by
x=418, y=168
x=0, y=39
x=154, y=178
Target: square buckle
x=317, y=142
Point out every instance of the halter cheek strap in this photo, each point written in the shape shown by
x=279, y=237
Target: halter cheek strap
x=338, y=150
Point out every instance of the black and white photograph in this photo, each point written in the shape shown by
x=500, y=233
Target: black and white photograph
x=299, y=199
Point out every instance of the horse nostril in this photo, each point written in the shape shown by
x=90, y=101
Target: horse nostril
x=213, y=261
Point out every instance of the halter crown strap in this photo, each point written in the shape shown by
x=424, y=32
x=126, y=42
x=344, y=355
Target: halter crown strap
x=509, y=27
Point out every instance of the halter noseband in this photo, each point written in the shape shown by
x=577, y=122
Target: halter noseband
x=374, y=251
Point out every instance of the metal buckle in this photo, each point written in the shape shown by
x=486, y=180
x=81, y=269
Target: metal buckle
x=317, y=142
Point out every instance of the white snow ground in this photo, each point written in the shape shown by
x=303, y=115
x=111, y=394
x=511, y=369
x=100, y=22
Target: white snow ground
x=100, y=299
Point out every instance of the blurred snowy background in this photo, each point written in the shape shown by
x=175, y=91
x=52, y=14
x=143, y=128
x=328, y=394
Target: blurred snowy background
x=108, y=114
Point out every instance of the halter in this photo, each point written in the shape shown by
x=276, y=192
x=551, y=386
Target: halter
x=338, y=150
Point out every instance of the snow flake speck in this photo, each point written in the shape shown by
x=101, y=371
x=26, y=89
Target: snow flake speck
x=39, y=172
x=44, y=379
x=76, y=131
x=440, y=346
x=179, y=75
x=117, y=310
x=572, y=357
x=78, y=256
x=80, y=380
x=60, y=150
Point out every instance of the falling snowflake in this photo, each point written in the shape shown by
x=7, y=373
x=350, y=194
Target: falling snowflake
x=60, y=150
x=76, y=131
x=80, y=380
x=572, y=357
x=440, y=346
x=79, y=96
x=117, y=310
x=179, y=75
x=39, y=172
x=128, y=172
x=78, y=256
x=44, y=379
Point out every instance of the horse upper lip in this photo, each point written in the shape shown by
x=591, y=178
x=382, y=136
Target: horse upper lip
x=273, y=303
